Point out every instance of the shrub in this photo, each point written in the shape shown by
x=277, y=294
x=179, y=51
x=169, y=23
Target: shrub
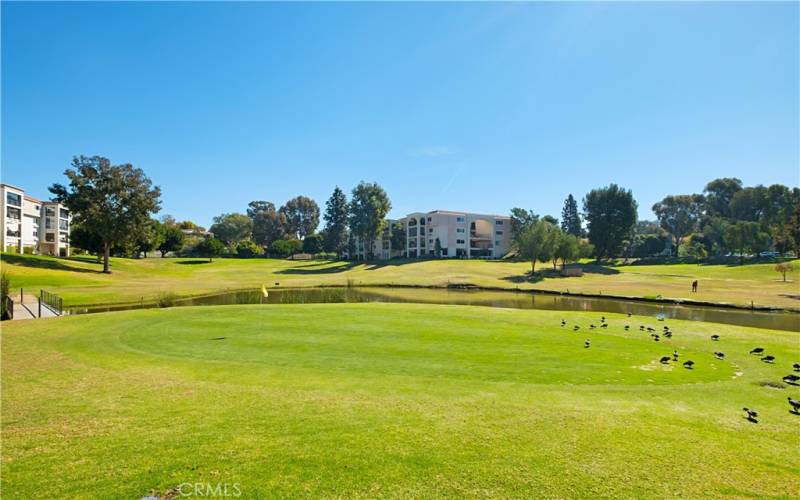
x=312, y=243
x=248, y=249
x=28, y=250
x=5, y=286
x=783, y=268
x=281, y=248
x=166, y=299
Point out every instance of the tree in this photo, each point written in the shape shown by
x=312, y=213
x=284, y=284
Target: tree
x=312, y=243
x=568, y=249
x=85, y=239
x=783, y=268
x=679, y=214
x=793, y=228
x=535, y=242
x=610, y=213
x=437, y=248
x=302, y=216
x=520, y=219
x=570, y=218
x=398, y=236
x=209, y=247
x=5, y=287
x=247, y=249
x=368, y=209
x=268, y=224
x=750, y=204
x=744, y=237
x=232, y=228
x=173, y=240
x=149, y=237
x=718, y=195
x=187, y=224
x=284, y=248
x=693, y=248
x=336, y=213
x=113, y=201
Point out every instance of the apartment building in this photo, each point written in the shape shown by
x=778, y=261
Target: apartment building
x=381, y=247
x=33, y=226
x=444, y=233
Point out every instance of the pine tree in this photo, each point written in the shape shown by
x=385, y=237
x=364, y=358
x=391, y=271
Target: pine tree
x=336, y=213
x=570, y=219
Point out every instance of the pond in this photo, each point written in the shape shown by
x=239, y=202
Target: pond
x=509, y=299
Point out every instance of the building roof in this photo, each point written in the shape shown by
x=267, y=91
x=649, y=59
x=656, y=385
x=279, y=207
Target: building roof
x=31, y=198
x=12, y=187
x=454, y=212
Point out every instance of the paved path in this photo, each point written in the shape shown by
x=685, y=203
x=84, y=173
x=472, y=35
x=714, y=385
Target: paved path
x=29, y=308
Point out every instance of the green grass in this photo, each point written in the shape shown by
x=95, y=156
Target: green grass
x=370, y=400
x=80, y=282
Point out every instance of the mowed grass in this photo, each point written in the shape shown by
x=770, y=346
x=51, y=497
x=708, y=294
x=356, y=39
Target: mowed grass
x=80, y=282
x=391, y=400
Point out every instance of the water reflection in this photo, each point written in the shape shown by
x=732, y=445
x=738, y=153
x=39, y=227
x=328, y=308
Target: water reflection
x=518, y=300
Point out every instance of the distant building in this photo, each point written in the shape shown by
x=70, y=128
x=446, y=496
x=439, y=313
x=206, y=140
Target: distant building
x=444, y=233
x=31, y=225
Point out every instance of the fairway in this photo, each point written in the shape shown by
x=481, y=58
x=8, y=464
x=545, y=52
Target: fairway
x=80, y=282
x=377, y=400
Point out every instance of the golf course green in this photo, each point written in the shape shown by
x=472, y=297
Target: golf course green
x=393, y=400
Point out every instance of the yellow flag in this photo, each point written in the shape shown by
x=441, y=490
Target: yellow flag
x=264, y=291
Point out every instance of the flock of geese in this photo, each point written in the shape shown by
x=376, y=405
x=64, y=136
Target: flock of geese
x=750, y=414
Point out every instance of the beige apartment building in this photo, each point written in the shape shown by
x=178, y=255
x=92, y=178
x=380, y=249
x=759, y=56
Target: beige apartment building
x=445, y=234
x=33, y=226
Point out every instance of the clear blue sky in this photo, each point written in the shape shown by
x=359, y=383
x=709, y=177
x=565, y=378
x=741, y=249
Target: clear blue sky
x=476, y=107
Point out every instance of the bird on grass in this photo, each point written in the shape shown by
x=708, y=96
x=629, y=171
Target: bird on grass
x=796, y=367
x=664, y=360
x=650, y=329
x=641, y=328
x=795, y=405
x=604, y=325
x=563, y=322
x=586, y=344
x=719, y=355
x=576, y=328
x=768, y=359
x=791, y=379
x=656, y=338
x=752, y=415
x=715, y=337
x=629, y=315
x=688, y=364
x=757, y=350
x=602, y=319
x=675, y=355
x=627, y=327
x=668, y=335
x=592, y=327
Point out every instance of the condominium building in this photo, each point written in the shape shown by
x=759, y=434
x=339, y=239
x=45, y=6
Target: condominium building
x=444, y=233
x=33, y=226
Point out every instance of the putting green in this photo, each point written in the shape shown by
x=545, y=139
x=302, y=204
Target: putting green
x=392, y=400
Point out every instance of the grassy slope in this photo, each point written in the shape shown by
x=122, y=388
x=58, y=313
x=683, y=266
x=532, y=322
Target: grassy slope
x=377, y=399
x=80, y=282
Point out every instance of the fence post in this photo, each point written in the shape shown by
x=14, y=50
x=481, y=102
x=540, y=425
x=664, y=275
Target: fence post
x=40, y=307
x=21, y=295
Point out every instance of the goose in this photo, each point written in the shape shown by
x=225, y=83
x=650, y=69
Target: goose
x=576, y=328
x=715, y=337
x=768, y=359
x=796, y=367
x=757, y=350
x=688, y=364
x=604, y=325
x=791, y=379
x=586, y=344
x=675, y=355
x=668, y=335
x=627, y=327
x=751, y=414
x=795, y=405
x=719, y=355
x=664, y=360
x=592, y=327
x=630, y=314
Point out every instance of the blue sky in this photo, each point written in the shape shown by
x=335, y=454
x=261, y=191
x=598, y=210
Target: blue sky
x=466, y=106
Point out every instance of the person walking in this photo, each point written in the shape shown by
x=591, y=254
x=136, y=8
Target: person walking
x=694, y=286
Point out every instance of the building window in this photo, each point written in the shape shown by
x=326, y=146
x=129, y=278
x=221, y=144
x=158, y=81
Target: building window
x=49, y=212
x=64, y=213
x=35, y=233
x=50, y=237
x=14, y=199
x=422, y=222
x=461, y=230
x=11, y=232
x=498, y=233
x=430, y=230
x=13, y=213
x=460, y=242
x=498, y=222
x=63, y=238
x=429, y=219
x=48, y=223
x=36, y=208
x=63, y=225
x=461, y=219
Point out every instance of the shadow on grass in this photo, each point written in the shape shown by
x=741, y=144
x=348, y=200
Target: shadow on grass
x=192, y=262
x=345, y=266
x=551, y=273
x=40, y=263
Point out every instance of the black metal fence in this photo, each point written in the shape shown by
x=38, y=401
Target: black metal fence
x=53, y=301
